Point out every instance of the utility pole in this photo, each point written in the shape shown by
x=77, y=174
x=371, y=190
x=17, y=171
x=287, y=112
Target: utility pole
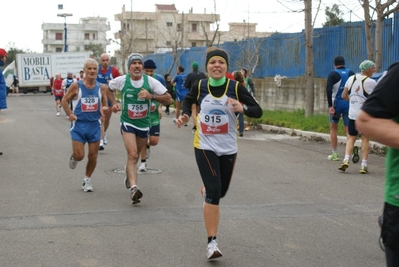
x=64, y=15
x=131, y=26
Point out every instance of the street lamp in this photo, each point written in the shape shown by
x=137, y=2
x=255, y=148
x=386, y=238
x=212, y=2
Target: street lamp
x=64, y=15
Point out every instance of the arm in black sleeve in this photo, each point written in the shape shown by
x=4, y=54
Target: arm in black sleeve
x=190, y=99
x=329, y=88
x=254, y=110
x=187, y=82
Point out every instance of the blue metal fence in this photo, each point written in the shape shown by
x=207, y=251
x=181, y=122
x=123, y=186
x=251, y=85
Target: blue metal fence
x=284, y=53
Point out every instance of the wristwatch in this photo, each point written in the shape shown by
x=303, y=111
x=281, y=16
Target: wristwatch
x=244, y=107
x=153, y=97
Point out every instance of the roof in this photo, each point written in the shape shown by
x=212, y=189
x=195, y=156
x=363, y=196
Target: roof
x=166, y=7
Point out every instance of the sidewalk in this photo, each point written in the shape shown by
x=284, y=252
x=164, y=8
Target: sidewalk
x=310, y=135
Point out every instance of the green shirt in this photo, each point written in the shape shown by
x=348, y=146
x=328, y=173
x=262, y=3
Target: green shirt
x=135, y=111
x=392, y=175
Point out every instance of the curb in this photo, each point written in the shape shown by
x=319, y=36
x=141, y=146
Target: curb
x=325, y=137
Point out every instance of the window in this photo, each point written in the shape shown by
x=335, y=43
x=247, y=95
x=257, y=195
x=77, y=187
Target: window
x=94, y=36
x=58, y=36
x=58, y=49
x=193, y=44
x=169, y=24
x=168, y=42
x=87, y=36
x=194, y=27
x=179, y=28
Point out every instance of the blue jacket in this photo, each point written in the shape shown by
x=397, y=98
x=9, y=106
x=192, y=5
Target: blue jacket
x=3, y=89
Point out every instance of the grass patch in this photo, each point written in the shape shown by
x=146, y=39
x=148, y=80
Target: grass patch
x=296, y=120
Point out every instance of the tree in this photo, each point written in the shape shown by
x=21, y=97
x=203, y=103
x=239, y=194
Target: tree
x=309, y=70
x=383, y=10
x=333, y=16
x=97, y=50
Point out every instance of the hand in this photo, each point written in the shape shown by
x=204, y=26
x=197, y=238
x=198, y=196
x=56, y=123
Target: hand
x=331, y=110
x=144, y=94
x=235, y=105
x=182, y=120
x=105, y=109
x=116, y=108
x=72, y=117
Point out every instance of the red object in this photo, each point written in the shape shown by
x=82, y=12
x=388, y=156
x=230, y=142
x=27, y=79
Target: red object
x=229, y=75
x=3, y=52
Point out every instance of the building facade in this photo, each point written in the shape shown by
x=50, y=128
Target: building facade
x=167, y=30
x=80, y=37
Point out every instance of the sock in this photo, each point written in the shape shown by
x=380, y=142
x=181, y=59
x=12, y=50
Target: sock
x=87, y=178
x=210, y=238
x=346, y=157
x=364, y=162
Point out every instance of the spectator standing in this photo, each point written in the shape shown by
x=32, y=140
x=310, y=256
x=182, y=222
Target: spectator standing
x=89, y=103
x=240, y=78
x=3, y=87
x=169, y=87
x=357, y=88
x=215, y=141
x=106, y=73
x=378, y=120
x=337, y=107
x=251, y=89
x=137, y=92
x=15, y=86
x=191, y=78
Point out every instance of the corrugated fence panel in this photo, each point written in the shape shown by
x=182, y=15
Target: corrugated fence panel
x=285, y=53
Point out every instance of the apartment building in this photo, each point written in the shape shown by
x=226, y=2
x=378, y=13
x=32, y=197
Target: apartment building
x=89, y=31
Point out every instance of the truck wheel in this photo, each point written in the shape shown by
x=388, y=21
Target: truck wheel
x=25, y=92
x=36, y=91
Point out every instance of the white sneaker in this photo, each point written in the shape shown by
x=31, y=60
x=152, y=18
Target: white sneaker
x=101, y=145
x=72, y=163
x=86, y=186
x=213, y=251
x=174, y=120
x=58, y=113
x=105, y=139
x=142, y=167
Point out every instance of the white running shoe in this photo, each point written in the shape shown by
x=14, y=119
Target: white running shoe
x=213, y=251
x=142, y=167
x=174, y=120
x=105, y=139
x=72, y=163
x=58, y=114
x=101, y=147
x=86, y=186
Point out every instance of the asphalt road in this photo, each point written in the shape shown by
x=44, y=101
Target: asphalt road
x=287, y=204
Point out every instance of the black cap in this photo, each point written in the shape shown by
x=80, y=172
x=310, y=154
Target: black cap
x=339, y=61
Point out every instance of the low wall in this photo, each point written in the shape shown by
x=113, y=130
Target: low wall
x=290, y=94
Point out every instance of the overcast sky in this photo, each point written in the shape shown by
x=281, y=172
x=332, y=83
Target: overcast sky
x=21, y=20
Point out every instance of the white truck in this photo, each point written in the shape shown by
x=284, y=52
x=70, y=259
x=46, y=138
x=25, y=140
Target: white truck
x=34, y=70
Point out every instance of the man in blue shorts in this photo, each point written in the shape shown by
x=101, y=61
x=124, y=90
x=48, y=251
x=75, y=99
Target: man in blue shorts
x=89, y=103
x=337, y=107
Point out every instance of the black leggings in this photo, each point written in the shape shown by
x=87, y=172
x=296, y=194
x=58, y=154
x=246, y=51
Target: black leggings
x=216, y=172
x=390, y=234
